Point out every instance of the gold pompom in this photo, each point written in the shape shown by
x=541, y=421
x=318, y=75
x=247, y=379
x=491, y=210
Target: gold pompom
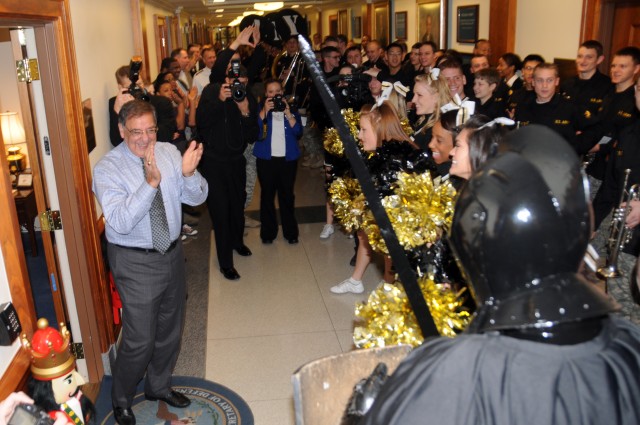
x=331, y=140
x=387, y=318
x=420, y=211
x=348, y=202
x=406, y=126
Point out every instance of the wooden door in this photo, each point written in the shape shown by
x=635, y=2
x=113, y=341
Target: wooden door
x=333, y=25
x=161, y=39
x=39, y=187
x=626, y=30
x=615, y=23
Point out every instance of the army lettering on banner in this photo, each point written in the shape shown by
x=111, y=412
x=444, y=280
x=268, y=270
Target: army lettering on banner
x=276, y=27
x=294, y=21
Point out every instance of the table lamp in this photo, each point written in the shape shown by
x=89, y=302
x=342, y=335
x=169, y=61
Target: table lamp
x=12, y=135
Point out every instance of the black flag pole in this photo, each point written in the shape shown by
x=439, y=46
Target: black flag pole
x=398, y=256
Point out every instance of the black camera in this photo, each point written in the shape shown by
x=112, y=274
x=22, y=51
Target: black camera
x=356, y=92
x=278, y=103
x=134, y=74
x=238, y=90
x=355, y=78
x=29, y=414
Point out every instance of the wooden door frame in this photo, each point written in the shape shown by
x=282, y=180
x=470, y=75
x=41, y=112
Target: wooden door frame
x=503, y=35
x=61, y=89
x=39, y=188
x=597, y=24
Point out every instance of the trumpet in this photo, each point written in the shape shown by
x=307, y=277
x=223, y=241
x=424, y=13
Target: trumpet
x=285, y=72
x=291, y=77
x=619, y=233
x=294, y=66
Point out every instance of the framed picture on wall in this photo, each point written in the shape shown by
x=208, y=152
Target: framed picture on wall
x=87, y=115
x=468, y=24
x=381, y=22
x=333, y=25
x=356, y=27
x=400, y=25
x=343, y=21
x=431, y=22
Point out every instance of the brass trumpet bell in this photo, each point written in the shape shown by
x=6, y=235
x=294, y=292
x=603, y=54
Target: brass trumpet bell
x=608, y=272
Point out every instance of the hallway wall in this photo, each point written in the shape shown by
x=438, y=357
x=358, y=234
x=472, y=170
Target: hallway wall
x=103, y=41
x=534, y=20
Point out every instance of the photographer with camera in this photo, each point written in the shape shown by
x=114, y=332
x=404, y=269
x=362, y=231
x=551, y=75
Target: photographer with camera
x=227, y=123
x=249, y=38
x=352, y=88
x=130, y=87
x=277, y=156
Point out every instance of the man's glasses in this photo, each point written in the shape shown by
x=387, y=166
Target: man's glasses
x=139, y=133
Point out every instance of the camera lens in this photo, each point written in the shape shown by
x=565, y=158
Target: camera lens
x=138, y=93
x=278, y=104
x=238, y=91
x=239, y=95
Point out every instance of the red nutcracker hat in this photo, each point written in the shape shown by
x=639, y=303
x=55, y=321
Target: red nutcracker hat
x=50, y=355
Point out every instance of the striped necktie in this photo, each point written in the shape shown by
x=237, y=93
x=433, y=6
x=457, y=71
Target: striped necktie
x=158, y=216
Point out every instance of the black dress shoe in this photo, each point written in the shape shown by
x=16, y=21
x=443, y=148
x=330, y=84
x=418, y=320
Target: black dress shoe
x=230, y=273
x=267, y=241
x=292, y=241
x=124, y=415
x=244, y=251
x=174, y=399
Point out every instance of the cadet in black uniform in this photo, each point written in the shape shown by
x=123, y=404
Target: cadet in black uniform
x=526, y=91
x=618, y=110
x=625, y=155
x=396, y=72
x=554, y=111
x=375, y=57
x=590, y=86
x=484, y=85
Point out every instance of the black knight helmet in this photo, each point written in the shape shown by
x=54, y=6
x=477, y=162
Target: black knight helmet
x=520, y=230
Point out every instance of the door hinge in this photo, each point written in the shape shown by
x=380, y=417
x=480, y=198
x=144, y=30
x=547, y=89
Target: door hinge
x=50, y=220
x=27, y=70
x=77, y=349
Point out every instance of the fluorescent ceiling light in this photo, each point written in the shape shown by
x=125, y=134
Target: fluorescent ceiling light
x=295, y=6
x=219, y=16
x=308, y=6
x=269, y=6
x=219, y=10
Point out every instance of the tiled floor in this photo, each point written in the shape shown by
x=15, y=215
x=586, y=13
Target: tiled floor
x=280, y=314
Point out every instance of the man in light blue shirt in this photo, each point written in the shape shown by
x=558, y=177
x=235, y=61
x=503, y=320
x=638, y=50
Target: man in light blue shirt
x=150, y=276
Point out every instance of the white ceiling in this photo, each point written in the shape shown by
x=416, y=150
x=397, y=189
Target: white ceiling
x=206, y=9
